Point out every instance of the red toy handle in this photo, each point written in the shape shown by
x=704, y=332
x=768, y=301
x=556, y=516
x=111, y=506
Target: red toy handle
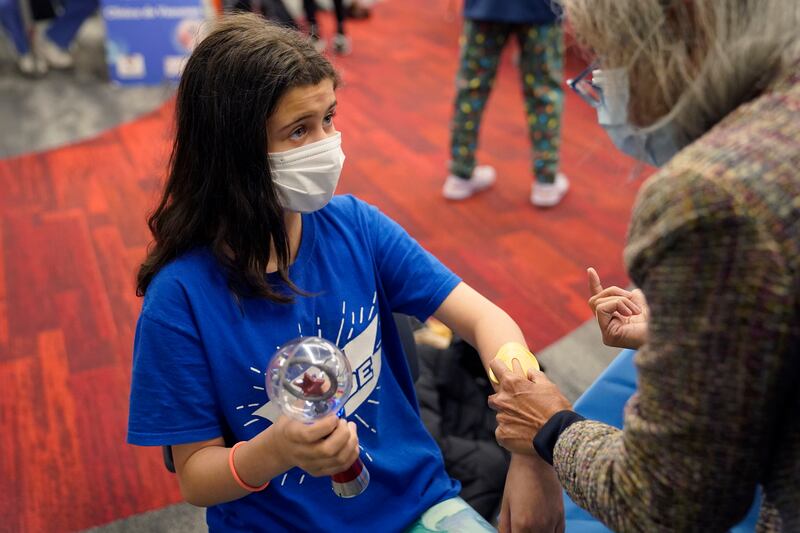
x=351, y=482
x=350, y=474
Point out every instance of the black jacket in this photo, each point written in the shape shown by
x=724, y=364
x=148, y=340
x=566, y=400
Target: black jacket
x=452, y=388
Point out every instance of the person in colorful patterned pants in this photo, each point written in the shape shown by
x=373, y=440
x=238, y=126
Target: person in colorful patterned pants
x=488, y=26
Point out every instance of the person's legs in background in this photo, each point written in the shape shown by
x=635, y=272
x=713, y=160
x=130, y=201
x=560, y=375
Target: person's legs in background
x=54, y=42
x=541, y=70
x=238, y=5
x=11, y=20
x=481, y=46
x=273, y=10
x=341, y=44
x=310, y=9
x=276, y=11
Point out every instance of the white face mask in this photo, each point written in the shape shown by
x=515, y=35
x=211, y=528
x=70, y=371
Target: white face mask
x=306, y=177
x=654, y=147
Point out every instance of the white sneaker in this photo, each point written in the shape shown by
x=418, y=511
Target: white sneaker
x=341, y=44
x=32, y=65
x=55, y=56
x=456, y=188
x=549, y=194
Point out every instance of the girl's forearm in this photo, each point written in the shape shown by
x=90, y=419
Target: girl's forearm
x=206, y=478
x=479, y=322
x=493, y=329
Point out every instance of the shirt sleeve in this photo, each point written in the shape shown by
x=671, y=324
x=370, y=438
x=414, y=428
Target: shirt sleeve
x=415, y=282
x=698, y=431
x=173, y=398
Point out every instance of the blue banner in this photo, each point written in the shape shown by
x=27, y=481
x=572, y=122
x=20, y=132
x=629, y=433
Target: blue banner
x=148, y=42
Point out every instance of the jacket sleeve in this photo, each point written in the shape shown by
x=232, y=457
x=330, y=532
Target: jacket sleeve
x=696, y=434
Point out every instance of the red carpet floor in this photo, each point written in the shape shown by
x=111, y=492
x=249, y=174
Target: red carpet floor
x=72, y=232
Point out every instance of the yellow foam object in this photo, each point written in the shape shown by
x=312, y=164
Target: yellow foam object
x=514, y=350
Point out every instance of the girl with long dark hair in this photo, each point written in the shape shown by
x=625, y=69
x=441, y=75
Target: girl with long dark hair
x=251, y=249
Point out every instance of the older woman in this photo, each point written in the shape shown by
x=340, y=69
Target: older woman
x=712, y=89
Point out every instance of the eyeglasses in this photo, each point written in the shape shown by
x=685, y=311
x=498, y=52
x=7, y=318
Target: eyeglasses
x=585, y=87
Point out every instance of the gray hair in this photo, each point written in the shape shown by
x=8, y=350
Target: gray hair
x=689, y=61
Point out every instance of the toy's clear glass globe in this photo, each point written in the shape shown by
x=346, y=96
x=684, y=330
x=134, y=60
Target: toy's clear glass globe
x=308, y=378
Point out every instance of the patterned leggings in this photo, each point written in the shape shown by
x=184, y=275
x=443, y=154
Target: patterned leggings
x=451, y=516
x=541, y=69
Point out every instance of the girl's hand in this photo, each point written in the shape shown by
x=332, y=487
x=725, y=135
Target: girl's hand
x=326, y=447
x=622, y=315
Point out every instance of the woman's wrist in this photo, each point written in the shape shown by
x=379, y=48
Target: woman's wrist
x=544, y=442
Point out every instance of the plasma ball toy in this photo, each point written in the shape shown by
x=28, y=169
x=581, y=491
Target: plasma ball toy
x=309, y=378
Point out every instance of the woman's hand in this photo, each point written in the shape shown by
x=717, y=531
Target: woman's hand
x=326, y=447
x=622, y=315
x=523, y=406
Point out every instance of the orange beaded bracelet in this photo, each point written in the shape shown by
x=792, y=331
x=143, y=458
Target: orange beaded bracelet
x=236, y=477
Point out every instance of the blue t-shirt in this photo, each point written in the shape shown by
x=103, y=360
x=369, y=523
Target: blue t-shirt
x=512, y=11
x=199, y=362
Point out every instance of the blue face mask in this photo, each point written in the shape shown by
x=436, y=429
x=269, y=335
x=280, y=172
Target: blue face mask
x=655, y=147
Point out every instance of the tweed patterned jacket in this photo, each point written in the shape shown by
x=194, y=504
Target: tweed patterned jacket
x=714, y=243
